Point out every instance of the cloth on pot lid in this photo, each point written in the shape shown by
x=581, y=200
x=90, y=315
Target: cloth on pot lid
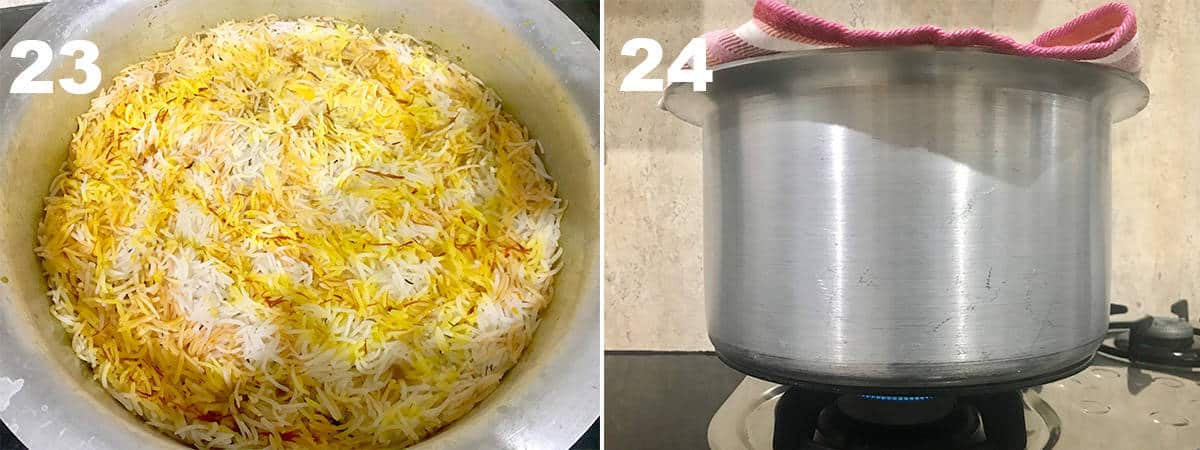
x=1106, y=35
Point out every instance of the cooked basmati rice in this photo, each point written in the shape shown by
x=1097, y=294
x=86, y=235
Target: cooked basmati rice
x=299, y=234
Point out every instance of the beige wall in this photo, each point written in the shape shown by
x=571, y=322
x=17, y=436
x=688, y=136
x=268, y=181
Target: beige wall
x=653, y=237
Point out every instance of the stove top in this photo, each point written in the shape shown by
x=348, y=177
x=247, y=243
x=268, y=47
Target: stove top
x=755, y=415
x=1111, y=405
x=811, y=420
x=1169, y=342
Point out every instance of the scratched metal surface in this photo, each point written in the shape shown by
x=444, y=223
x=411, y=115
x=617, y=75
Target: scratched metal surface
x=849, y=241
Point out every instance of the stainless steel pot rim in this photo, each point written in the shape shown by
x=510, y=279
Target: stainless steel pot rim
x=844, y=67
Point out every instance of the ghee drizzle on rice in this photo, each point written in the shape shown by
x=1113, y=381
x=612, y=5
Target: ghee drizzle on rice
x=299, y=233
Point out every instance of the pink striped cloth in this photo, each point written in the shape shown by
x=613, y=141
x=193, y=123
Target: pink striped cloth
x=1106, y=35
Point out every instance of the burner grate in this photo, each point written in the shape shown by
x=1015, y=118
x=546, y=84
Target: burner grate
x=815, y=420
x=1162, y=341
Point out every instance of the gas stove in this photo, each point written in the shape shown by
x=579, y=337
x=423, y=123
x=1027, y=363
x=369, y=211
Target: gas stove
x=1142, y=391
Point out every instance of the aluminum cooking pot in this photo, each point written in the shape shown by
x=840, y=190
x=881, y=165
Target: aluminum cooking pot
x=543, y=67
x=907, y=220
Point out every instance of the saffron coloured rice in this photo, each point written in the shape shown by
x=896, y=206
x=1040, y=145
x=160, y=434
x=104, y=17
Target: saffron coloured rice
x=299, y=234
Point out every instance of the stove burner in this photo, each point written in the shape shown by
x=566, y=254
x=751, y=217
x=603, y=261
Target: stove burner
x=897, y=398
x=812, y=420
x=1162, y=341
x=895, y=410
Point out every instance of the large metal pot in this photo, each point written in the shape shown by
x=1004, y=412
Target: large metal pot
x=544, y=68
x=907, y=219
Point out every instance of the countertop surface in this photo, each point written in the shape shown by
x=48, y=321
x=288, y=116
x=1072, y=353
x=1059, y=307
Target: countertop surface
x=656, y=400
x=12, y=3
